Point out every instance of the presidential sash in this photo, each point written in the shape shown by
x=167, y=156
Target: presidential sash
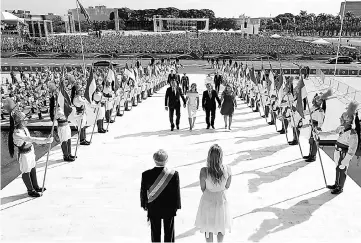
x=160, y=184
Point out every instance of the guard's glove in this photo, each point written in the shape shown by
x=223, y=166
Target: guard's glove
x=345, y=162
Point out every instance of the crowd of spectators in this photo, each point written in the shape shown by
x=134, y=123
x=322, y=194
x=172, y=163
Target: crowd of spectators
x=206, y=43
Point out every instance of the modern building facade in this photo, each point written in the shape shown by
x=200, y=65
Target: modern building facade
x=38, y=25
x=353, y=7
x=179, y=24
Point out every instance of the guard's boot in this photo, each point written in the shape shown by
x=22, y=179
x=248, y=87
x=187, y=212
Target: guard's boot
x=337, y=190
x=34, y=180
x=99, y=124
x=102, y=124
x=29, y=185
x=69, y=150
x=332, y=187
x=64, y=148
x=311, y=159
x=118, y=111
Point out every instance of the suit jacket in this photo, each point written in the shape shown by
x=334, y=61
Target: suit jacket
x=168, y=202
x=173, y=101
x=217, y=79
x=210, y=103
x=171, y=77
x=185, y=81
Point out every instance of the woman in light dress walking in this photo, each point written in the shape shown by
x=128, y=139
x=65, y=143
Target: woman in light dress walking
x=213, y=216
x=192, y=105
x=229, y=103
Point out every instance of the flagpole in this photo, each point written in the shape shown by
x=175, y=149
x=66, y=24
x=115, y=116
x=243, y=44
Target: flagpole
x=294, y=123
x=272, y=115
x=96, y=118
x=79, y=130
x=283, y=121
x=81, y=39
x=51, y=135
x=314, y=138
x=339, y=36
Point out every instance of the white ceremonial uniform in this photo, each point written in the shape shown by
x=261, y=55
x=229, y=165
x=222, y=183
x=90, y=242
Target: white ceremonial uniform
x=22, y=139
x=99, y=99
x=108, y=95
x=80, y=104
x=64, y=131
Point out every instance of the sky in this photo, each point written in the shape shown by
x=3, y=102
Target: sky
x=221, y=8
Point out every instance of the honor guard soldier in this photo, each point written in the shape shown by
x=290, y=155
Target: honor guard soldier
x=185, y=83
x=273, y=108
x=79, y=102
x=317, y=119
x=100, y=101
x=63, y=128
x=295, y=121
x=108, y=93
x=284, y=104
x=19, y=136
x=345, y=147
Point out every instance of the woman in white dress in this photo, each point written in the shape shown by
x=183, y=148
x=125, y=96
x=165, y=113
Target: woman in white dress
x=19, y=136
x=213, y=216
x=192, y=105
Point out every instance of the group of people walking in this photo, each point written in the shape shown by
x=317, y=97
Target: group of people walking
x=210, y=98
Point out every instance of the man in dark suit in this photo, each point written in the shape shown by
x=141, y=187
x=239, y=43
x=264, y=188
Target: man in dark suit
x=172, y=76
x=185, y=83
x=160, y=197
x=217, y=81
x=209, y=104
x=178, y=78
x=172, y=102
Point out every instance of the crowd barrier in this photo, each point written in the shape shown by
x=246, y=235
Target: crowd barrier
x=286, y=71
x=344, y=92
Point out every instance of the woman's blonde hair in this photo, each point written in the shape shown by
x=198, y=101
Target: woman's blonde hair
x=195, y=85
x=215, y=164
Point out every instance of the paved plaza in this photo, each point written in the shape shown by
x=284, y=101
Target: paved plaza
x=274, y=195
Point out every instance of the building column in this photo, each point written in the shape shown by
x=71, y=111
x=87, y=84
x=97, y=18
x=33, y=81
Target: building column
x=51, y=27
x=32, y=29
x=39, y=26
x=116, y=19
x=45, y=22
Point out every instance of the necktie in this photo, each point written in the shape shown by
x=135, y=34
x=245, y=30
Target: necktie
x=210, y=94
x=174, y=91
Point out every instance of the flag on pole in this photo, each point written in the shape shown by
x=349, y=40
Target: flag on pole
x=252, y=76
x=279, y=82
x=64, y=100
x=84, y=12
x=116, y=81
x=301, y=93
x=90, y=87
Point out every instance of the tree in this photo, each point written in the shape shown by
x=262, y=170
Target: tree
x=58, y=24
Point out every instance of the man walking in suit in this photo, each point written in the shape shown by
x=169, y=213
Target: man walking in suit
x=160, y=197
x=172, y=102
x=185, y=83
x=209, y=104
x=172, y=76
x=217, y=81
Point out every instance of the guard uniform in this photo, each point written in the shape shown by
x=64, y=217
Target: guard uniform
x=317, y=119
x=79, y=102
x=100, y=101
x=63, y=128
x=26, y=155
x=345, y=148
x=108, y=93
